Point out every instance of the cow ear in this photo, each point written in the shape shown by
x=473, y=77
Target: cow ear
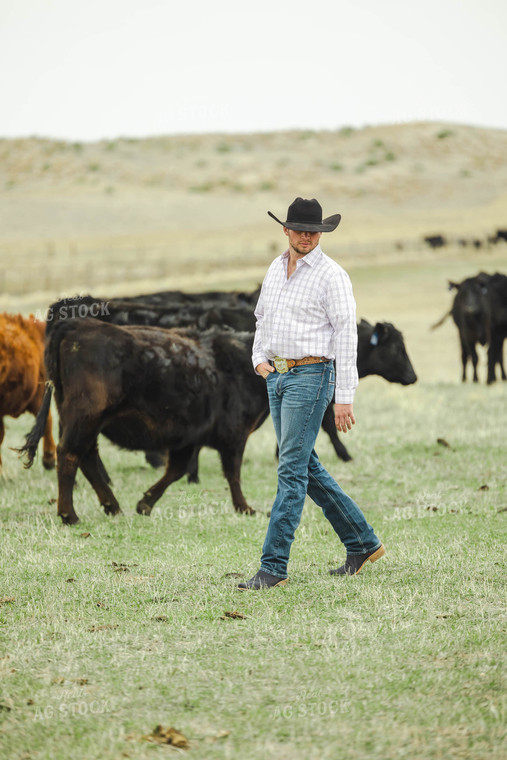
x=453, y=285
x=377, y=334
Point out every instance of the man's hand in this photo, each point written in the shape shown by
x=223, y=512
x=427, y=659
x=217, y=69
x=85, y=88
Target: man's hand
x=343, y=417
x=264, y=368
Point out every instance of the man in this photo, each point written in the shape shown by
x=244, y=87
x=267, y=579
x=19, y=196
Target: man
x=306, y=318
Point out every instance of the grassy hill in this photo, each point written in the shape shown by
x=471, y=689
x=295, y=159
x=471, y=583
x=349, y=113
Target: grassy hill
x=191, y=209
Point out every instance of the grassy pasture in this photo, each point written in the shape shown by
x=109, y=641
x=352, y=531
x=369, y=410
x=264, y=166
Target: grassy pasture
x=115, y=626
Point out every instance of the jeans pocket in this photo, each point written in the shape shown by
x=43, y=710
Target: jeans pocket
x=308, y=370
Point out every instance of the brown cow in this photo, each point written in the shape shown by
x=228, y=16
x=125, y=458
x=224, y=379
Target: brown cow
x=147, y=388
x=23, y=375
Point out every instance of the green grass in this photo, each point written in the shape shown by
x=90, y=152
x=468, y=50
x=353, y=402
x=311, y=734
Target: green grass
x=118, y=625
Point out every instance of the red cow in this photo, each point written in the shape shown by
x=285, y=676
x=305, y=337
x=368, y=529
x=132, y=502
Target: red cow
x=23, y=375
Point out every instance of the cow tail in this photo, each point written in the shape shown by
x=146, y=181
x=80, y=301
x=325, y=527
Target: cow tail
x=29, y=450
x=440, y=321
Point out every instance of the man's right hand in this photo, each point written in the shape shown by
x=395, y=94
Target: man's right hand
x=344, y=417
x=264, y=369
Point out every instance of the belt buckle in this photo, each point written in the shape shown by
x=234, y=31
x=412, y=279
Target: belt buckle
x=281, y=365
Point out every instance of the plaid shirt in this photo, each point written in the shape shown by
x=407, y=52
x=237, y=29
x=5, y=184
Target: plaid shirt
x=313, y=313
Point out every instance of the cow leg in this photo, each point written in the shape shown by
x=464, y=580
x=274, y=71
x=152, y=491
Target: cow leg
x=67, y=468
x=475, y=359
x=193, y=466
x=232, y=458
x=491, y=362
x=329, y=426
x=78, y=439
x=499, y=359
x=177, y=466
x=500, y=362
x=495, y=356
x=491, y=365
x=464, y=360
x=95, y=472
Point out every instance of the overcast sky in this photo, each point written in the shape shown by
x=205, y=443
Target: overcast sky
x=106, y=68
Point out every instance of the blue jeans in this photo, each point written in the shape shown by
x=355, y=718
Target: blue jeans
x=297, y=401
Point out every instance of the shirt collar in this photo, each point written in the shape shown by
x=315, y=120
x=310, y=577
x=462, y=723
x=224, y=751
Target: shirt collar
x=310, y=258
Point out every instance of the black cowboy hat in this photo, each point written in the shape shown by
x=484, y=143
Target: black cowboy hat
x=306, y=216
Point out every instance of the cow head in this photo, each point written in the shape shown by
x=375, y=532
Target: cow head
x=381, y=351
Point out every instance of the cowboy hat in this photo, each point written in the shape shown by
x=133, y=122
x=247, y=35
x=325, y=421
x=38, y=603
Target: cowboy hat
x=306, y=216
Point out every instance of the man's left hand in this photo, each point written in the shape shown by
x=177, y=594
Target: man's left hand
x=344, y=417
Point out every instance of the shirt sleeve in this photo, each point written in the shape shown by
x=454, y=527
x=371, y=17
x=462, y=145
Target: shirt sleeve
x=258, y=354
x=341, y=310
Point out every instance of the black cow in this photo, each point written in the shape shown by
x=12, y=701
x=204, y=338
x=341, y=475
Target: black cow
x=166, y=309
x=497, y=292
x=240, y=317
x=471, y=313
x=501, y=235
x=121, y=311
x=435, y=241
x=145, y=388
x=209, y=298
x=478, y=314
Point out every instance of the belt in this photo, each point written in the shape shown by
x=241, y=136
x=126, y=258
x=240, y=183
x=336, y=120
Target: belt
x=284, y=365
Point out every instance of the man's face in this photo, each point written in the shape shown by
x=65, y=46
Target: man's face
x=302, y=242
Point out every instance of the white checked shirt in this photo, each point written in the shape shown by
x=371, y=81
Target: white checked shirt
x=313, y=313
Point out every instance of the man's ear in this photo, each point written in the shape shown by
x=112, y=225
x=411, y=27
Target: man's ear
x=286, y=231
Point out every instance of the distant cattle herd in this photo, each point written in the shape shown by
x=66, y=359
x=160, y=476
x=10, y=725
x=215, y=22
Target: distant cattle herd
x=439, y=240
x=168, y=373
